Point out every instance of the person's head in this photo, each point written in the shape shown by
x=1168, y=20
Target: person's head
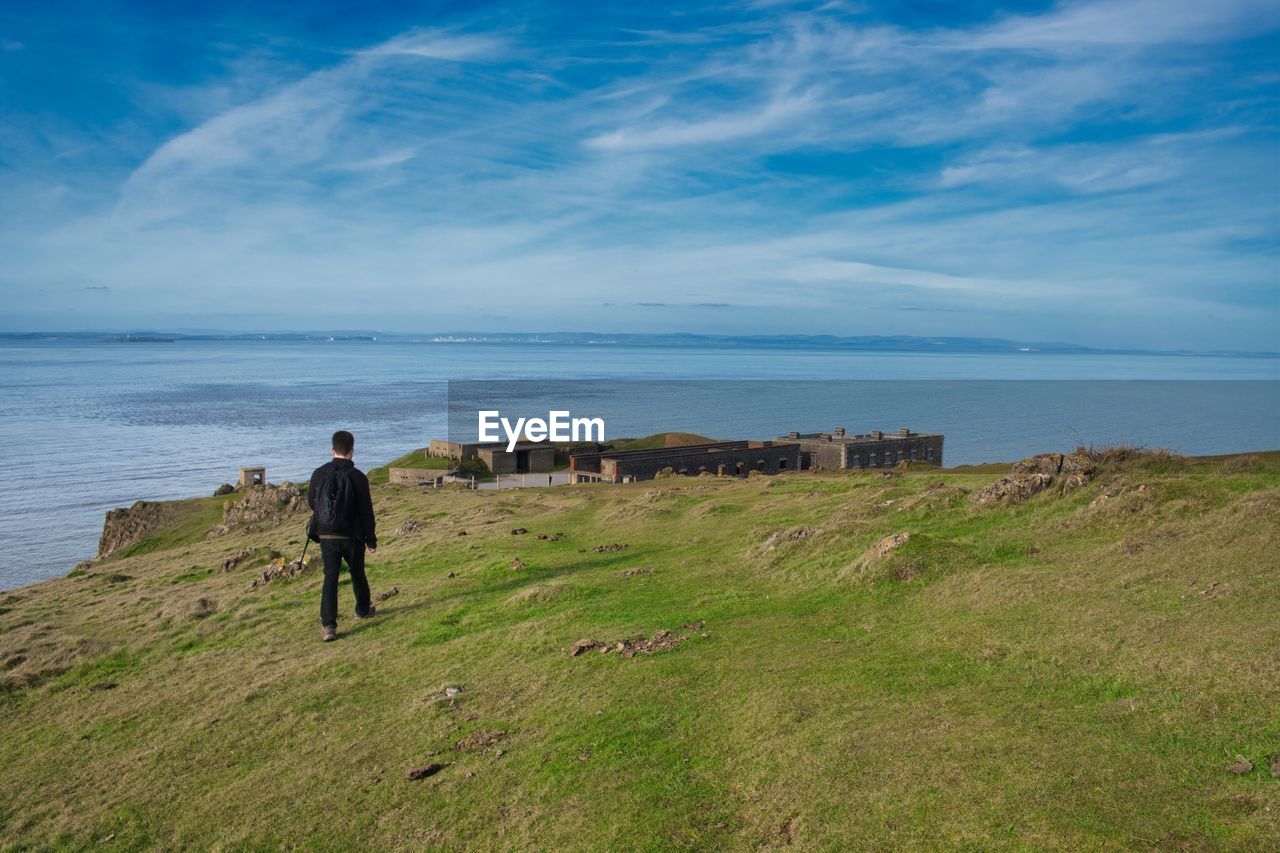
x=344, y=444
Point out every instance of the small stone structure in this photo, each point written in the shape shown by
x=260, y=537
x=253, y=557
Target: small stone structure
x=527, y=458
x=252, y=477
x=416, y=476
x=430, y=477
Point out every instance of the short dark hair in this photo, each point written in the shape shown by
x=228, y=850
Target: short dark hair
x=343, y=442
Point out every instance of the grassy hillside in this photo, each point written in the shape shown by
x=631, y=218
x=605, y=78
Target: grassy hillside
x=660, y=439
x=1076, y=671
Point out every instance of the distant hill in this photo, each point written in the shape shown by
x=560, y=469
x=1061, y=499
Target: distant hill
x=870, y=343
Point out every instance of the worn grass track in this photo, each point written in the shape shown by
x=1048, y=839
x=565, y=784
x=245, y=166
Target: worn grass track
x=1077, y=671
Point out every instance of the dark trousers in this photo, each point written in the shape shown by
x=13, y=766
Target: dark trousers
x=334, y=551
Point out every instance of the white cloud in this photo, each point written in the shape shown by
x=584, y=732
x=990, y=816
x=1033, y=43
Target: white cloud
x=717, y=129
x=293, y=126
x=433, y=44
x=1127, y=23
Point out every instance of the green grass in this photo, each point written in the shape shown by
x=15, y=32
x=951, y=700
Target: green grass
x=1072, y=673
x=659, y=439
x=192, y=520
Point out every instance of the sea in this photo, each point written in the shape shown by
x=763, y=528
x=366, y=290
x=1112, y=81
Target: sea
x=86, y=426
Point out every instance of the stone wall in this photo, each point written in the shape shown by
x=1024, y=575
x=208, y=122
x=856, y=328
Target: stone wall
x=887, y=453
x=589, y=463
x=884, y=452
x=451, y=449
x=415, y=476
x=823, y=455
x=738, y=461
x=498, y=461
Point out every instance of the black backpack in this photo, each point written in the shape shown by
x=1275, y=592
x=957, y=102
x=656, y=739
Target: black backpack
x=335, y=505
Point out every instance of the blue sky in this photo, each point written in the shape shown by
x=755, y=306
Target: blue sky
x=1106, y=173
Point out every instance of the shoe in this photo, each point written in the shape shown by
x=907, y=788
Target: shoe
x=328, y=635
x=372, y=610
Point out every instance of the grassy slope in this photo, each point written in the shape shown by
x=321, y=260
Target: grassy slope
x=660, y=439
x=1050, y=675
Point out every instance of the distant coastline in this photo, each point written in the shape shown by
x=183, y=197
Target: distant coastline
x=863, y=343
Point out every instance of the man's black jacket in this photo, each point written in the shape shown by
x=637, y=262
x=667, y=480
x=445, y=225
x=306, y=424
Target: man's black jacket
x=361, y=526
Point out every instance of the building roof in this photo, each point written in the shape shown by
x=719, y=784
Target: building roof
x=839, y=436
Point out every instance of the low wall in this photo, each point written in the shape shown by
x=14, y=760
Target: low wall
x=415, y=476
x=723, y=461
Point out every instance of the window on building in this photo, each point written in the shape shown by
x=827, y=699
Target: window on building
x=928, y=453
x=871, y=460
x=782, y=464
x=913, y=455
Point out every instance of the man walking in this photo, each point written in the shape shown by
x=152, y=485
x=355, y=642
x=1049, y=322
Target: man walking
x=342, y=522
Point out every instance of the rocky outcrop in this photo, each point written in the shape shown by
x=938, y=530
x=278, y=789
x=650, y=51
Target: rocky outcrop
x=262, y=506
x=884, y=548
x=662, y=641
x=128, y=526
x=1064, y=472
x=779, y=538
x=244, y=555
x=230, y=563
x=278, y=569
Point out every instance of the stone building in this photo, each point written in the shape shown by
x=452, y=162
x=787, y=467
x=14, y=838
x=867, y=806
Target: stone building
x=721, y=458
x=415, y=476
x=527, y=457
x=838, y=449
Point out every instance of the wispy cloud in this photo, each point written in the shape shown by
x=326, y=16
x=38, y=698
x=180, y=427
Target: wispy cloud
x=1128, y=23
x=776, y=167
x=433, y=44
x=717, y=129
x=296, y=126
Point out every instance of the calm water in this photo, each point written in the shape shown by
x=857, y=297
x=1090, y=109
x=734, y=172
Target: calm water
x=91, y=426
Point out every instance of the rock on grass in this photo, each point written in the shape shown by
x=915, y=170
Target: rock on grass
x=424, y=771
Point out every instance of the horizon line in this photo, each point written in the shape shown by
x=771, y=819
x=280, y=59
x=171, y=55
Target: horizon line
x=993, y=344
